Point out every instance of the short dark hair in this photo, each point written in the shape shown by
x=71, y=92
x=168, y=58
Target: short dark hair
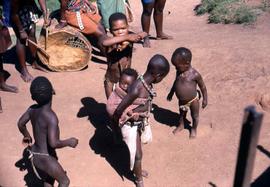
x=183, y=53
x=130, y=72
x=158, y=64
x=117, y=16
x=41, y=90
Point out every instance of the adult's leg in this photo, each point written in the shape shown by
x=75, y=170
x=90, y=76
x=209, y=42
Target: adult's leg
x=51, y=166
x=100, y=35
x=158, y=19
x=181, y=125
x=3, y=85
x=138, y=163
x=108, y=86
x=63, y=7
x=20, y=49
x=195, y=109
x=146, y=20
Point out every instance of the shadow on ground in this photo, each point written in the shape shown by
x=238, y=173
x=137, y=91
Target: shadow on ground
x=102, y=141
x=264, y=179
x=30, y=178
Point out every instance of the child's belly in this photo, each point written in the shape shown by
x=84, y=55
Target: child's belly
x=185, y=93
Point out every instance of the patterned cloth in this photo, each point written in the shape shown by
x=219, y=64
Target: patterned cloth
x=28, y=16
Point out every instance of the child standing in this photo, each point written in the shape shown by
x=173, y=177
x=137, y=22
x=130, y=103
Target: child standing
x=185, y=88
x=157, y=68
x=119, y=49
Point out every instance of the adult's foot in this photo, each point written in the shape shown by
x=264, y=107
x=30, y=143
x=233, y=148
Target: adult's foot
x=164, y=36
x=35, y=65
x=178, y=129
x=139, y=183
x=8, y=88
x=26, y=76
x=146, y=42
x=193, y=133
x=61, y=25
x=145, y=174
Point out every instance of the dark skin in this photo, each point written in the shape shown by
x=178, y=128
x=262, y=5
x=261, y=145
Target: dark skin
x=137, y=90
x=185, y=89
x=157, y=6
x=99, y=34
x=46, y=135
x=23, y=35
x=120, y=40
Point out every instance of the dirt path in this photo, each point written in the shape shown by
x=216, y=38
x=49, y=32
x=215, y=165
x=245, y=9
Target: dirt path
x=234, y=63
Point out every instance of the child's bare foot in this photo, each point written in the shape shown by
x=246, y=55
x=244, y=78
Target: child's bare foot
x=8, y=88
x=145, y=173
x=193, y=133
x=26, y=76
x=164, y=37
x=146, y=42
x=178, y=129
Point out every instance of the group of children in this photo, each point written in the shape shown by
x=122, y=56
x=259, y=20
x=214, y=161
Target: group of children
x=129, y=102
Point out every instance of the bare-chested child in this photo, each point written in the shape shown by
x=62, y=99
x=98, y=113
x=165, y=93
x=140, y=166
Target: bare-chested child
x=157, y=68
x=46, y=134
x=185, y=88
x=119, y=49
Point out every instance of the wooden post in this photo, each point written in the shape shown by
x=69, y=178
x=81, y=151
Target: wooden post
x=247, y=148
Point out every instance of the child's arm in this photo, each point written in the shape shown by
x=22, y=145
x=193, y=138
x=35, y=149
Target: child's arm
x=119, y=39
x=53, y=135
x=203, y=89
x=27, y=139
x=171, y=93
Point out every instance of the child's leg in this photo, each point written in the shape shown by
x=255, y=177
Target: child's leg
x=51, y=167
x=158, y=19
x=20, y=49
x=181, y=125
x=146, y=19
x=138, y=163
x=194, y=109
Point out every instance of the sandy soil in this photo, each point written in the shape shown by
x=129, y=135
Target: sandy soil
x=234, y=62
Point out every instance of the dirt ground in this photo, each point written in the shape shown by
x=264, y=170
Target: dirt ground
x=234, y=62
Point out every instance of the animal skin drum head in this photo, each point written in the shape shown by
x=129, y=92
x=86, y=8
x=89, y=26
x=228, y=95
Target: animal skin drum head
x=69, y=50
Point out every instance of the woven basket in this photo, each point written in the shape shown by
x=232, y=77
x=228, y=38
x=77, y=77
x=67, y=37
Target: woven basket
x=69, y=50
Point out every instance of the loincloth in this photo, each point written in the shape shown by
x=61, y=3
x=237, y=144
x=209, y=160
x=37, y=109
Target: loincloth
x=186, y=106
x=129, y=132
x=31, y=158
x=80, y=15
x=5, y=40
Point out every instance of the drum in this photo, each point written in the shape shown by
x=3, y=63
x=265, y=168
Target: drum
x=68, y=49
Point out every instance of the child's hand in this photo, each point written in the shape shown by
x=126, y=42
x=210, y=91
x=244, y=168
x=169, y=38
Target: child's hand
x=204, y=103
x=134, y=37
x=27, y=140
x=142, y=34
x=169, y=97
x=73, y=142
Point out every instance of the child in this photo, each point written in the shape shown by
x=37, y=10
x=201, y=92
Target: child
x=5, y=42
x=119, y=49
x=24, y=18
x=158, y=67
x=46, y=134
x=185, y=88
x=129, y=132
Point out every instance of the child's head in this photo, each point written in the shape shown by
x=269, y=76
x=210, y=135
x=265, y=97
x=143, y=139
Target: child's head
x=181, y=59
x=118, y=24
x=128, y=76
x=41, y=90
x=158, y=67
